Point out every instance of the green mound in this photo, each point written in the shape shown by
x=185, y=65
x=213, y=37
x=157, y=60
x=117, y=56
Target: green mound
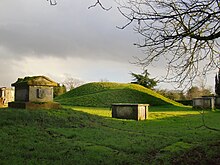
x=103, y=94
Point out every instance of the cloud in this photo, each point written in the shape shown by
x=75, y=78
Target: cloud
x=68, y=29
x=84, y=69
x=66, y=39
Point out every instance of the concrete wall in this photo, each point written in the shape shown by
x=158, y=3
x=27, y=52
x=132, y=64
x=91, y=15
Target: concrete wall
x=130, y=111
x=197, y=102
x=6, y=95
x=10, y=95
x=217, y=102
x=204, y=102
x=40, y=94
x=21, y=94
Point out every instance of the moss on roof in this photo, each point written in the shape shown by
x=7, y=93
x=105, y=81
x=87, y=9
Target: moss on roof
x=35, y=80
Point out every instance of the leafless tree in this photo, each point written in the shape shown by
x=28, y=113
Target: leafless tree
x=98, y=2
x=184, y=33
x=104, y=80
x=71, y=83
x=204, y=125
x=52, y=2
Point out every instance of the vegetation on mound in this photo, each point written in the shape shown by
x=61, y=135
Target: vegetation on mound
x=103, y=94
x=72, y=137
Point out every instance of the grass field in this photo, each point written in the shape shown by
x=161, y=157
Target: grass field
x=103, y=94
x=82, y=135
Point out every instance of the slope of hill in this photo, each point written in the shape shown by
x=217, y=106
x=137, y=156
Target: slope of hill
x=103, y=94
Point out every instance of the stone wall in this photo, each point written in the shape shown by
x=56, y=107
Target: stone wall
x=6, y=95
x=130, y=111
x=21, y=94
x=40, y=94
x=10, y=95
x=217, y=102
x=204, y=103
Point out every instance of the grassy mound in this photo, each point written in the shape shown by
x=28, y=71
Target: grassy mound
x=103, y=94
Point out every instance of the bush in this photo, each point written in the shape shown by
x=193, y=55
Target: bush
x=185, y=102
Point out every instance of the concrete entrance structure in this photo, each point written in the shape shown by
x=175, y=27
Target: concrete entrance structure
x=6, y=95
x=206, y=102
x=217, y=101
x=34, y=92
x=130, y=111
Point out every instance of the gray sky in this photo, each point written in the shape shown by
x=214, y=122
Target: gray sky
x=66, y=40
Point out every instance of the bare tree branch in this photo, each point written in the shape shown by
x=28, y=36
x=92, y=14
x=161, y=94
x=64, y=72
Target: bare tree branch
x=52, y=2
x=184, y=34
x=100, y=4
x=71, y=83
x=204, y=124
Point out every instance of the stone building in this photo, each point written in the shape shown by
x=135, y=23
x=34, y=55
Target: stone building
x=34, y=92
x=130, y=111
x=205, y=102
x=6, y=95
x=217, y=102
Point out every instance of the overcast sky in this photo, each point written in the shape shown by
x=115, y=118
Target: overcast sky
x=66, y=40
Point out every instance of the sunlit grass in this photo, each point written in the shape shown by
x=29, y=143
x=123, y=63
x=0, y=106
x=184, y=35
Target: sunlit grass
x=153, y=113
x=105, y=112
x=162, y=115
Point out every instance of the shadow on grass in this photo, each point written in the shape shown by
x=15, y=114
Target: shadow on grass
x=66, y=136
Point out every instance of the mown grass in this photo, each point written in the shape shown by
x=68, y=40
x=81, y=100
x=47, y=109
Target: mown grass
x=103, y=94
x=91, y=136
x=155, y=112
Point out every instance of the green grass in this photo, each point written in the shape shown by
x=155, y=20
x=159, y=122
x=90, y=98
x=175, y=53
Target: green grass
x=90, y=136
x=102, y=94
x=155, y=112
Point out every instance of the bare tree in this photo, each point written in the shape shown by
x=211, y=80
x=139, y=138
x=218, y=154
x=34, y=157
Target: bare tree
x=184, y=33
x=98, y=2
x=52, y=2
x=71, y=83
x=204, y=125
x=104, y=80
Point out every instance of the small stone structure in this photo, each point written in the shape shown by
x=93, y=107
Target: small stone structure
x=6, y=95
x=33, y=93
x=130, y=111
x=217, y=102
x=205, y=102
